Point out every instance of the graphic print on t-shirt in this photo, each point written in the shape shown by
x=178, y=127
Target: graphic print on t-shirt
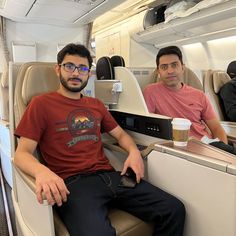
x=83, y=126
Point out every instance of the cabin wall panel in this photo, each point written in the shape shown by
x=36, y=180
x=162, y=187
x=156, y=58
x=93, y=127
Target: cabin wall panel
x=113, y=41
x=222, y=52
x=141, y=55
x=46, y=37
x=117, y=41
x=196, y=58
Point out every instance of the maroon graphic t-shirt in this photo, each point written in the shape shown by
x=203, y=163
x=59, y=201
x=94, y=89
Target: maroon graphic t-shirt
x=68, y=132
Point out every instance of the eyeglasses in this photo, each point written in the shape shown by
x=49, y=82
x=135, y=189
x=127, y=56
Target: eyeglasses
x=71, y=67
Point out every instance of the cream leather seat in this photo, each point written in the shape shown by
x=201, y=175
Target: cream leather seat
x=33, y=218
x=213, y=81
x=189, y=78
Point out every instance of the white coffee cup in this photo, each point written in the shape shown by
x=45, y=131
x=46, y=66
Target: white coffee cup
x=180, y=129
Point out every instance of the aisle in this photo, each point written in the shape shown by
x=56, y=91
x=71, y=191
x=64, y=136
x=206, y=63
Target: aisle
x=3, y=220
x=7, y=218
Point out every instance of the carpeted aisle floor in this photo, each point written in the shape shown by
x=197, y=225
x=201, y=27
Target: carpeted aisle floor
x=3, y=220
x=4, y=231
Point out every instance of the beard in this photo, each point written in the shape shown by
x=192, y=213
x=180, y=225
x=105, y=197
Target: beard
x=70, y=88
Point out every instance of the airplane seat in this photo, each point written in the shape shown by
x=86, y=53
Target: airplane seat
x=116, y=86
x=106, y=87
x=231, y=69
x=190, y=78
x=34, y=79
x=105, y=69
x=213, y=81
x=117, y=61
x=144, y=76
x=154, y=76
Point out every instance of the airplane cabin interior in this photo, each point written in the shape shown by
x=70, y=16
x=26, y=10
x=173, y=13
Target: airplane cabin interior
x=123, y=38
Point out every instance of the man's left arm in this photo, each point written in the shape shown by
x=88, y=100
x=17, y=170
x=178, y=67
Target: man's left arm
x=134, y=159
x=216, y=130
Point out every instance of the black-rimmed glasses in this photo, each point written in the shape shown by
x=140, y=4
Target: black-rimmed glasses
x=71, y=67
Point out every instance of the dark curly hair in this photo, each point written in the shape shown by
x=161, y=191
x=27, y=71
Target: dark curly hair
x=74, y=49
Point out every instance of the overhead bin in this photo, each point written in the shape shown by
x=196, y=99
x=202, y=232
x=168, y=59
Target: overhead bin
x=155, y=15
x=205, y=24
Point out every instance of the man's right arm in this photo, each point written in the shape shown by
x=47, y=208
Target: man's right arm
x=47, y=181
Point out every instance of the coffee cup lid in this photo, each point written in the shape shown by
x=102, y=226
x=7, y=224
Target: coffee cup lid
x=181, y=121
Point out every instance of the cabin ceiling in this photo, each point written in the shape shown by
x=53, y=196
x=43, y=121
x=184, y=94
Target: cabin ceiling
x=56, y=12
x=125, y=10
x=65, y=12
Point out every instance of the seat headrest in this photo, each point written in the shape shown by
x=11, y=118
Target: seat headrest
x=38, y=79
x=104, y=69
x=219, y=79
x=191, y=79
x=117, y=61
x=231, y=70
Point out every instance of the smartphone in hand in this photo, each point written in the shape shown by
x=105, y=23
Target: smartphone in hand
x=128, y=180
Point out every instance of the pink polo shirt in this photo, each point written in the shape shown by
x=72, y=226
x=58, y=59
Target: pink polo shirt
x=186, y=102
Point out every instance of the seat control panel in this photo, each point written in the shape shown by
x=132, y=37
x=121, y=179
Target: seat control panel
x=152, y=126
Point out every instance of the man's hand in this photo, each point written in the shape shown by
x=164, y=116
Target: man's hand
x=135, y=162
x=52, y=186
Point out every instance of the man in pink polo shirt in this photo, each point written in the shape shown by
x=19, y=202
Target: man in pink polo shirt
x=172, y=98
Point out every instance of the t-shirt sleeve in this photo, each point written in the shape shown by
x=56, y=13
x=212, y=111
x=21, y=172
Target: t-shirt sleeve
x=32, y=123
x=108, y=123
x=149, y=99
x=208, y=112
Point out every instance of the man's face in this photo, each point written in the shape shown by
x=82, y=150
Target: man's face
x=71, y=78
x=170, y=71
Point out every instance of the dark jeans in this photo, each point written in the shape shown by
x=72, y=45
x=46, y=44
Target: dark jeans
x=85, y=212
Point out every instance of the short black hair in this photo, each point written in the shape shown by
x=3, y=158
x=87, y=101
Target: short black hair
x=74, y=49
x=170, y=50
x=231, y=70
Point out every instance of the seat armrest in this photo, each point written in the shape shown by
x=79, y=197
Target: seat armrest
x=30, y=181
x=230, y=130
x=116, y=147
x=25, y=202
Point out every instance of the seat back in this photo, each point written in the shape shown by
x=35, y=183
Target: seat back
x=34, y=78
x=104, y=69
x=117, y=61
x=213, y=81
x=144, y=76
x=105, y=86
x=190, y=78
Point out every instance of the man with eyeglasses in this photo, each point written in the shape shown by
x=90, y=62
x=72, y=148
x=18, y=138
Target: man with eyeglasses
x=171, y=97
x=78, y=178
